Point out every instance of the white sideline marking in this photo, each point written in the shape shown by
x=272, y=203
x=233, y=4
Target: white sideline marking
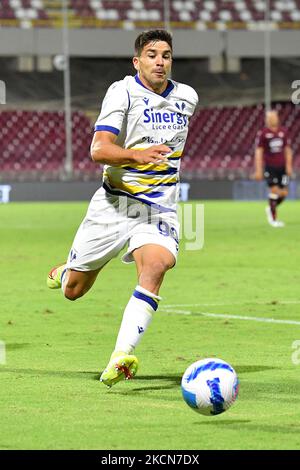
x=2, y=353
x=173, y=310
x=221, y=304
x=233, y=317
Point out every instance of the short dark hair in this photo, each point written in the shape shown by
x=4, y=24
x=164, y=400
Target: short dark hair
x=152, y=35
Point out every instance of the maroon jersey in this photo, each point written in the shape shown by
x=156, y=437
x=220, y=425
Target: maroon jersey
x=273, y=144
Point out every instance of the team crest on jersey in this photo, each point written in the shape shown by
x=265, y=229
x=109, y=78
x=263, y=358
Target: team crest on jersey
x=180, y=106
x=73, y=255
x=276, y=145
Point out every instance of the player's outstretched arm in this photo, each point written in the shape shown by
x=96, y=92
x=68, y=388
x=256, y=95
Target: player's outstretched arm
x=104, y=150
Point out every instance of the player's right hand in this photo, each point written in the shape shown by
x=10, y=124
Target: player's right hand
x=154, y=154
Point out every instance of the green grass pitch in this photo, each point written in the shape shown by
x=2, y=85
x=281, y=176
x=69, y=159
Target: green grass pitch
x=50, y=396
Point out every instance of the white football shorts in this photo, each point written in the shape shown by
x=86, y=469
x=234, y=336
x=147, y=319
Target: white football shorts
x=113, y=221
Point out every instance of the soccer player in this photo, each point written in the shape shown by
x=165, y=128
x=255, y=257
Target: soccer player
x=139, y=137
x=273, y=161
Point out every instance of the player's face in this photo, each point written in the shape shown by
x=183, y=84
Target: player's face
x=272, y=119
x=154, y=65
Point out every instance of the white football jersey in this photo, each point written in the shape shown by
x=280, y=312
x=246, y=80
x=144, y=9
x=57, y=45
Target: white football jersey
x=141, y=118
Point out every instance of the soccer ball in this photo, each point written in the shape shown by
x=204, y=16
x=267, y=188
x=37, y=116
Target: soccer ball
x=210, y=386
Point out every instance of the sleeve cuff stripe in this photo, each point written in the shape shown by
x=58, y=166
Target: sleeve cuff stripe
x=114, y=130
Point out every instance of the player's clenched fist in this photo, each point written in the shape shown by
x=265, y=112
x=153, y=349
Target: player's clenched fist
x=153, y=154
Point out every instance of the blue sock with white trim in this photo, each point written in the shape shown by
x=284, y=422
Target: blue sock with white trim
x=136, y=319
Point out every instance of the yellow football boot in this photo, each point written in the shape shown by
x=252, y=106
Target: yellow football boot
x=54, y=277
x=121, y=366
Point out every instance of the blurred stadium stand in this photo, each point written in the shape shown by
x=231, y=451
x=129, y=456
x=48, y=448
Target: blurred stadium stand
x=131, y=14
x=220, y=143
x=221, y=140
x=219, y=50
x=32, y=145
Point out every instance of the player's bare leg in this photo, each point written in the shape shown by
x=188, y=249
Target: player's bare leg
x=78, y=283
x=276, y=196
x=152, y=262
x=283, y=193
x=74, y=284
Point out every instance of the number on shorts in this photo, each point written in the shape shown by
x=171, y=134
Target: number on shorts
x=167, y=231
x=163, y=228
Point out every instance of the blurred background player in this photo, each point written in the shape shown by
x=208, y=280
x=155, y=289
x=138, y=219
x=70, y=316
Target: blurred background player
x=273, y=161
x=143, y=178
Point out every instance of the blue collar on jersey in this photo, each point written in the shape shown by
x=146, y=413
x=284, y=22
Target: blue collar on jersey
x=169, y=88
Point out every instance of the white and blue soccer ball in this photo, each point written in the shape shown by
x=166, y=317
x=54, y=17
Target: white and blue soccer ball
x=210, y=386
